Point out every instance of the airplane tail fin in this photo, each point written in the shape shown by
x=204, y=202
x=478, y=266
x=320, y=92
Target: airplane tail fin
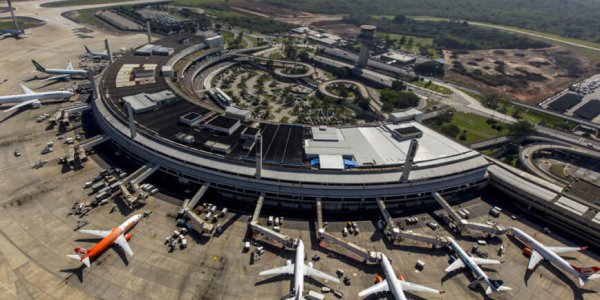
x=496, y=286
x=87, y=50
x=81, y=256
x=587, y=273
x=38, y=66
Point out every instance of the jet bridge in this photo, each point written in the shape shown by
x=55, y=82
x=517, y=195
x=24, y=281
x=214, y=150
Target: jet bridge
x=256, y=228
x=464, y=224
x=398, y=235
x=323, y=235
x=196, y=198
x=95, y=141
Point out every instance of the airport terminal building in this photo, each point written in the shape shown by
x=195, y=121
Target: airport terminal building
x=291, y=165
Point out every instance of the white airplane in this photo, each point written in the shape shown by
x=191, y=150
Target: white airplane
x=464, y=260
x=67, y=73
x=32, y=98
x=538, y=252
x=14, y=33
x=99, y=55
x=299, y=269
x=392, y=284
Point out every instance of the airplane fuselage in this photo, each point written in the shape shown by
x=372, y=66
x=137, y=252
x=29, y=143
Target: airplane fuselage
x=391, y=279
x=547, y=254
x=299, y=271
x=109, y=240
x=82, y=73
x=34, y=96
x=468, y=261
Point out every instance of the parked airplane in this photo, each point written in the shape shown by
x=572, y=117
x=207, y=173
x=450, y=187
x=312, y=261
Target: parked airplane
x=538, y=252
x=15, y=33
x=67, y=73
x=99, y=55
x=117, y=235
x=392, y=284
x=32, y=98
x=299, y=269
x=472, y=263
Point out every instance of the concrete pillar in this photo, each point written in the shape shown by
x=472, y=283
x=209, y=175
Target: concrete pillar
x=132, y=129
x=148, y=31
x=410, y=157
x=259, y=155
x=92, y=80
x=108, y=51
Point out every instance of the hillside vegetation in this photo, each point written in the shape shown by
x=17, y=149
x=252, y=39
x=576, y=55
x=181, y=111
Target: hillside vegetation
x=574, y=18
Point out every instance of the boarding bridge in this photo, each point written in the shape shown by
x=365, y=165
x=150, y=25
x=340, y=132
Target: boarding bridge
x=141, y=174
x=323, y=235
x=197, y=223
x=399, y=235
x=95, y=141
x=464, y=224
x=78, y=109
x=436, y=241
x=194, y=201
x=258, y=208
x=364, y=254
x=287, y=242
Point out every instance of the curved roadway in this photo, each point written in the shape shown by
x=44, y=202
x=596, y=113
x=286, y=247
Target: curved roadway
x=526, y=158
x=361, y=88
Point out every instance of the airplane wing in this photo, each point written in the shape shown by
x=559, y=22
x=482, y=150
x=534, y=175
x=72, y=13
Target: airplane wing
x=310, y=271
x=122, y=242
x=559, y=250
x=57, y=77
x=378, y=288
x=289, y=269
x=409, y=286
x=99, y=233
x=457, y=264
x=70, y=66
x=24, y=103
x=26, y=90
x=534, y=259
x=483, y=261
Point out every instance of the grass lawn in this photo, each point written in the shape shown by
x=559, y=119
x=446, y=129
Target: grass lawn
x=197, y=2
x=543, y=36
x=22, y=24
x=532, y=116
x=79, y=2
x=88, y=16
x=476, y=127
x=276, y=56
x=558, y=170
x=434, y=87
x=417, y=42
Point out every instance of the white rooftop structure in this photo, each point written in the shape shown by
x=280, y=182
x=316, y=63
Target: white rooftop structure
x=331, y=162
x=376, y=145
x=238, y=113
x=407, y=115
x=215, y=41
x=140, y=103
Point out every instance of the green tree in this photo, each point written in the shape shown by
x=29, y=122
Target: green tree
x=522, y=127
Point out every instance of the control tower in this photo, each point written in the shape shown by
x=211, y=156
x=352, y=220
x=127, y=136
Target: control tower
x=366, y=39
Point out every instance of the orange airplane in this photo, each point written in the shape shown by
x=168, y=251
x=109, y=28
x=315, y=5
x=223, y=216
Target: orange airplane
x=118, y=235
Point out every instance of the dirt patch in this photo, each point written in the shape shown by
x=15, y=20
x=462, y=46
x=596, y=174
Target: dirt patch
x=279, y=13
x=527, y=75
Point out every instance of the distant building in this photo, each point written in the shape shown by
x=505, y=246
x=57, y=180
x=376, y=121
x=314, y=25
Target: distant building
x=398, y=58
x=238, y=113
x=404, y=116
x=215, y=41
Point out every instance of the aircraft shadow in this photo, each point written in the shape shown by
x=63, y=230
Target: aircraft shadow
x=78, y=272
x=121, y=254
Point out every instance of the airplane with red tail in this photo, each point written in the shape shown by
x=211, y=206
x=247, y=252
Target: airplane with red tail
x=118, y=235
